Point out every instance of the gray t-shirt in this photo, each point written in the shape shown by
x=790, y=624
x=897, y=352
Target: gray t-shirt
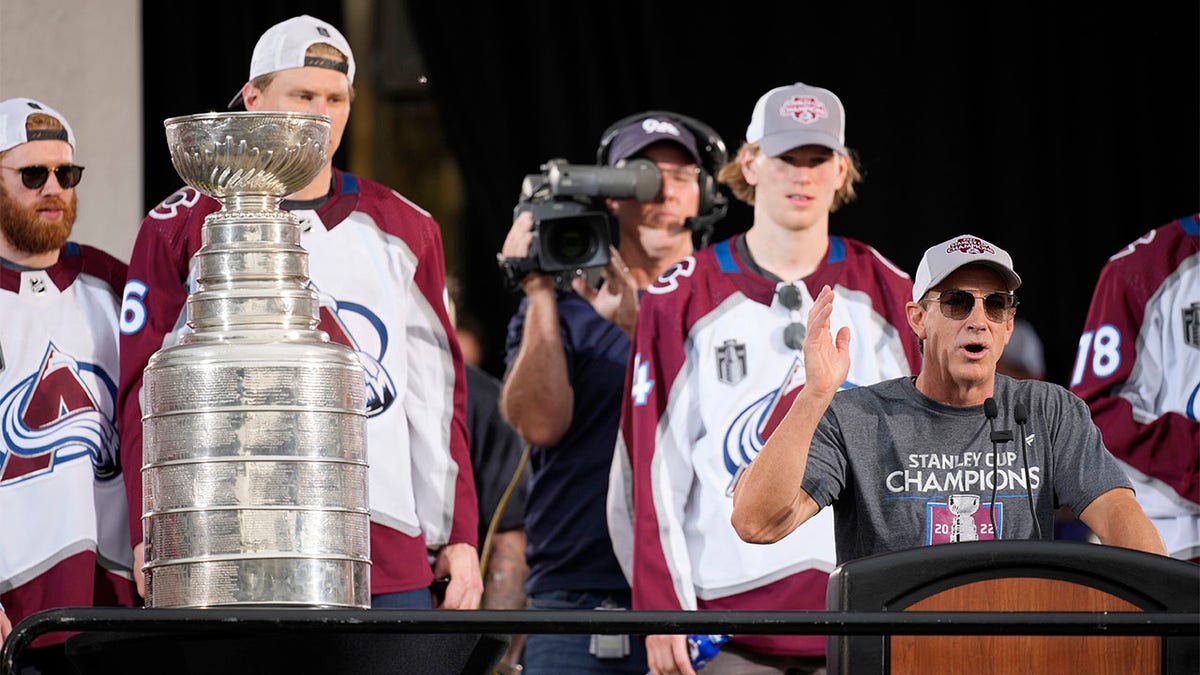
x=902, y=470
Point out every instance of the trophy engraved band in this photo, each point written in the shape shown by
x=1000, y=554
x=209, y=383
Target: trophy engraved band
x=254, y=426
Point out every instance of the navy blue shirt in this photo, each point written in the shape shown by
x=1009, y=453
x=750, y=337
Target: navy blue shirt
x=566, y=524
x=495, y=455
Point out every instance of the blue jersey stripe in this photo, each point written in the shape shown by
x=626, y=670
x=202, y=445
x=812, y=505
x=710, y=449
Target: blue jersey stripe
x=725, y=259
x=1189, y=225
x=837, y=249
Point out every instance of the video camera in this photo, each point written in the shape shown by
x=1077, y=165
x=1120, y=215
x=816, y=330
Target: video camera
x=572, y=229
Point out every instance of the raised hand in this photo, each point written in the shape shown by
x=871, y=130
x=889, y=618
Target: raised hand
x=826, y=358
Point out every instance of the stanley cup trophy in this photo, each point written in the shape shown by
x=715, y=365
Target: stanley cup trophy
x=254, y=451
x=963, y=507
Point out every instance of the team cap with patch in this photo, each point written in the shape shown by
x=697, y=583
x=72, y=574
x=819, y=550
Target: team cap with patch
x=285, y=44
x=13, y=114
x=942, y=259
x=795, y=115
x=636, y=136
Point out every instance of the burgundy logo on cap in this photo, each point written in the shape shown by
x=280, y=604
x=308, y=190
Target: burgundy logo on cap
x=804, y=109
x=970, y=245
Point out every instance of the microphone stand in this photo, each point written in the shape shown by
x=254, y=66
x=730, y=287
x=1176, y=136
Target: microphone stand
x=997, y=436
x=1020, y=416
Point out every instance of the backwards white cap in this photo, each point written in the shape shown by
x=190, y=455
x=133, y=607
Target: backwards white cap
x=285, y=45
x=13, y=114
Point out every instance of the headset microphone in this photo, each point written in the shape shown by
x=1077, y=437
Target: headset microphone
x=1020, y=416
x=713, y=155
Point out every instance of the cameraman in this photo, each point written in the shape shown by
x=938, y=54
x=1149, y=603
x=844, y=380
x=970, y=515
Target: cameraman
x=566, y=355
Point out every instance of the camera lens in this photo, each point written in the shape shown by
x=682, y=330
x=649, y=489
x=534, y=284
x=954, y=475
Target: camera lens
x=572, y=243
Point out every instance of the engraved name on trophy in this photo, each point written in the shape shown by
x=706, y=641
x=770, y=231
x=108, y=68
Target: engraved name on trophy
x=254, y=450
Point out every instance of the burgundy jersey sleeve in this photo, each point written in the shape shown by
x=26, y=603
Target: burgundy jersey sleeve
x=104, y=266
x=151, y=308
x=431, y=280
x=431, y=341
x=1131, y=368
x=656, y=359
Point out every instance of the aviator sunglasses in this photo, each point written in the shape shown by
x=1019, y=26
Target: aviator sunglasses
x=34, y=177
x=958, y=304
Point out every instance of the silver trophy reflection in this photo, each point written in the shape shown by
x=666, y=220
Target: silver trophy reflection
x=963, y=507
x=254, y=449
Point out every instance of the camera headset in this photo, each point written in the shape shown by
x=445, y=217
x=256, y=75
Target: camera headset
x=713, y=155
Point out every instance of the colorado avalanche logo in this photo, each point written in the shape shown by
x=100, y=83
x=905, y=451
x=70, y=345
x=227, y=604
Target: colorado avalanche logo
x=336, y=318
x=61, y=413
x=752, y=427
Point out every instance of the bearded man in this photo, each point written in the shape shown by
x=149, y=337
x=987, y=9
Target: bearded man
x=63, y=517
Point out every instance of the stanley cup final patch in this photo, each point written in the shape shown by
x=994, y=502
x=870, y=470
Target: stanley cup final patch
x=731, y=362
x=1191, y=325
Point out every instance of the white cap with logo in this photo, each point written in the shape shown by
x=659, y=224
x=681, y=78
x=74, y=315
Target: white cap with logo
x=13, y=114
x=795, y=115
x=965, y=249
x=285, y=45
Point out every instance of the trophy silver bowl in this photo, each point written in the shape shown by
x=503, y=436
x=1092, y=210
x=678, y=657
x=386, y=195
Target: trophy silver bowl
x=238, y=154
x=254, y=425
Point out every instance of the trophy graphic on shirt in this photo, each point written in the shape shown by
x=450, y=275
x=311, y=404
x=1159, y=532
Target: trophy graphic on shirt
x=254, y=449
x=963, y=507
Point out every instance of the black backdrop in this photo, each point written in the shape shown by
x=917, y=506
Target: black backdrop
x=1060, y=133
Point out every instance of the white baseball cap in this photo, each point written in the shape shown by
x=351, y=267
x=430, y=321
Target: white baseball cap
x=285, y=44
x=13, y=114
x=795, y=115
x=942, y=259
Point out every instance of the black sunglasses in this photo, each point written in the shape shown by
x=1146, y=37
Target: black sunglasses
x=34, y=177
x=957, y=304
x=793, y=334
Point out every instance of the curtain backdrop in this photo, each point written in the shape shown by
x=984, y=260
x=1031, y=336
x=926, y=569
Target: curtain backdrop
x=1056, y=130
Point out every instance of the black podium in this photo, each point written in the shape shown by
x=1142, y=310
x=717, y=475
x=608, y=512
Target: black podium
x=1014, y=576
x=260, y=641
x=289, y=641
x=257, y=653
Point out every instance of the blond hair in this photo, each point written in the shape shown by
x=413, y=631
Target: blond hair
x=40, y=122
x=321, y=50
x=731, y=175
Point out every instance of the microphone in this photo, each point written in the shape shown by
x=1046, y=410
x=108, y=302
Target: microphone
x=997, y=437
x=1020, y=416
x=991, y=410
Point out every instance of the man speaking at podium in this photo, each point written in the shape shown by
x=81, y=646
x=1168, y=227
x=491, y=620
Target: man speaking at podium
x=955, y=453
